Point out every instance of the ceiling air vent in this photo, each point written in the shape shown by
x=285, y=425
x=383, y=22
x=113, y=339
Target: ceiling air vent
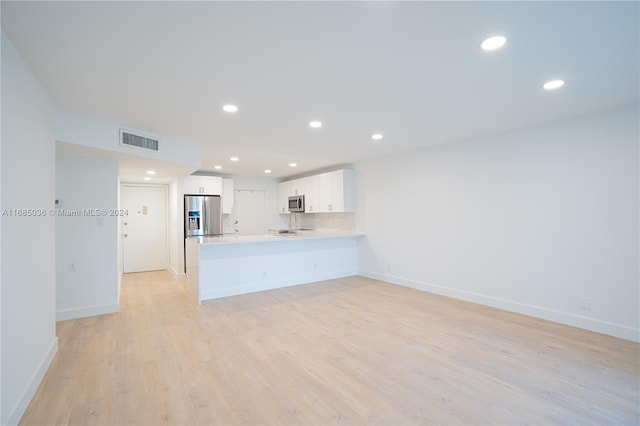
x=130, y=139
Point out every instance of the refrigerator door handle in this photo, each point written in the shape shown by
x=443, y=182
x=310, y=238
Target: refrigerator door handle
x=205, y=217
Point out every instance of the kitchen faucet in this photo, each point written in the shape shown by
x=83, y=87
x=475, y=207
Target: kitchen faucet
x=295, y=221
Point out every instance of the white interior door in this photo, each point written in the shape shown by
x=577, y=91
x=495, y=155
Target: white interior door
x=144, y=230
x=250, y=207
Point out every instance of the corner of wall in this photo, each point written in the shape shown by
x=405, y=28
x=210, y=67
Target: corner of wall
x=33, y=384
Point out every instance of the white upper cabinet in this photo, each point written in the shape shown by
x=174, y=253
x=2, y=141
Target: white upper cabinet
x=191, y=185
x=296, y=187
x=227, y=196
x=201, y=185
x=323, y=193
x=211, y=185
x=311, y=194
x=283, y=197
x=336, y=191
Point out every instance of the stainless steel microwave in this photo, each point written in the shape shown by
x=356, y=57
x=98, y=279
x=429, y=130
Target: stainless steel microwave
x=296, y=203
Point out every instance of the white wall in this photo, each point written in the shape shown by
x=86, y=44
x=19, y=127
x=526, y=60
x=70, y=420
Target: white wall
x=28, y=270
x=532, y=221
x=88, y=131
x=90, y=242
x=120, y=260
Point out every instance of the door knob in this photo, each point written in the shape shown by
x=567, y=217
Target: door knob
x=126, y=235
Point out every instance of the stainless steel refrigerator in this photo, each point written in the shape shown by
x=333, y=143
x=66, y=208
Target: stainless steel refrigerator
x=202, y=215
x=202, y=218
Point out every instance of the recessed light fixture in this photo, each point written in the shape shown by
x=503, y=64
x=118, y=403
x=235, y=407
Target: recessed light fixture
x=267, y=171
x=147, y=178
x=493, y=43
x=234, y=158
x=553, y=84
x=217, y=167
x=151, y=172
x=315, y=124
x=230, y=108
x=376, y=136
x=293, y=164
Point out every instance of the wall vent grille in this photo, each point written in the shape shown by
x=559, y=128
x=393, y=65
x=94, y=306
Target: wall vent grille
x=130, y=139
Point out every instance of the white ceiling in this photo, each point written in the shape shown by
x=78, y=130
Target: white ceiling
x=409, y=70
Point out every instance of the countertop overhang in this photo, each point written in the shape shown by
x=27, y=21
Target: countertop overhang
x=270, y=238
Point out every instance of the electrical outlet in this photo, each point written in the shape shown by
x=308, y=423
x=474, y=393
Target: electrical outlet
x=585, y=304
x=72, y=267
x=315, y=266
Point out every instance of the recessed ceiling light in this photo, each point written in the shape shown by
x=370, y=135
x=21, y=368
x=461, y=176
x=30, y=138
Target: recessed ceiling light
x=151, y=172
x=217, y=167
x=230, y=108
x=293, y=164
x=147, y=178
x=267, y=171
x=315, y=124
x=234, y=158
x=493, y=43
x=376, y=136
x=553, y=84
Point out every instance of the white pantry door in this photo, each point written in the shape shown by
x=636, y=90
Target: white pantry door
x=144, y=229
x=250, y=206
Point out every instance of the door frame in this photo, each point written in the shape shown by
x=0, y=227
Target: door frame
x=166, y=220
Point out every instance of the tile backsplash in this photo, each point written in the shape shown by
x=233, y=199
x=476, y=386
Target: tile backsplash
x=322, y=221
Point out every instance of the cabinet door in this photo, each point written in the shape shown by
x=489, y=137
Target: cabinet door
x=337, y=191
x=191, y=185
x=296, y=187
x=227, y=196
x=325, y=192
x=211, y=185
x=311, y=202
x=284, y=189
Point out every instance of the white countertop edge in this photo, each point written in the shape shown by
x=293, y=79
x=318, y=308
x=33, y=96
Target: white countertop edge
x=250, y=239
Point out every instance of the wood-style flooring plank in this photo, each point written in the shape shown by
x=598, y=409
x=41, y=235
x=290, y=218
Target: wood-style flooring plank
x=344, y=352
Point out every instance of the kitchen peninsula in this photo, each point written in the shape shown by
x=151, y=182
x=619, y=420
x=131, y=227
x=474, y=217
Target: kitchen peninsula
x=231, y=265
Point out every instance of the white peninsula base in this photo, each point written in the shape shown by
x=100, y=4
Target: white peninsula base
x=227, y=266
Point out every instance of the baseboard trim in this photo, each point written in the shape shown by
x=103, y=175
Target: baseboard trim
x=599, y=326
x=177, y=275
x=87, y=311
x=35, y=381
x=254, y=288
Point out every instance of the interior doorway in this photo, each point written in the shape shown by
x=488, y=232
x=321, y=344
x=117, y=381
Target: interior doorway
x=144, y=229
x=250, y=209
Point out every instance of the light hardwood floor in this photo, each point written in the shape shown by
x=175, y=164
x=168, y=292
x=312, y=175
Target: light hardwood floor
x=347, y=351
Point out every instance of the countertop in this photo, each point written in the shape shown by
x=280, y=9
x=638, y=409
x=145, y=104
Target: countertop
x=301, y=235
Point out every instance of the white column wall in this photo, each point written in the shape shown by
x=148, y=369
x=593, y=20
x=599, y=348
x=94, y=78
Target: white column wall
x=28, y=258
x=89, y=242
